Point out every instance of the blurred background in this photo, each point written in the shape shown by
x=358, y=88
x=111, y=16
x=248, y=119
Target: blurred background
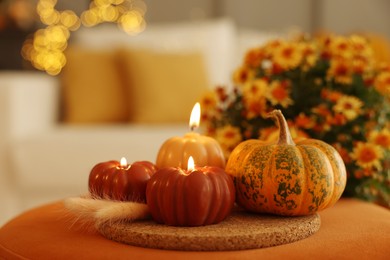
x=19, y=18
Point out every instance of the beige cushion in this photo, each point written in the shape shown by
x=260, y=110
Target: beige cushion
x=162, y=87
x=92, y=90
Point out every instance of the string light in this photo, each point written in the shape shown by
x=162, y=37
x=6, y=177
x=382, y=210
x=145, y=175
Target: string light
x=46, y=49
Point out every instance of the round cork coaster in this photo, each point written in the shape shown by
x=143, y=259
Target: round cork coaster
x=241, y=230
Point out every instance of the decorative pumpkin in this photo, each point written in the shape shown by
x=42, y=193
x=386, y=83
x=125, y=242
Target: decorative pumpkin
x=197, y=197
x=120, y=181
x=285, y=178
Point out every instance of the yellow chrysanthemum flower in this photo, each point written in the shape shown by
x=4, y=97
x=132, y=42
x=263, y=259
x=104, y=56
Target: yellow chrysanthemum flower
x=340, y=71
x=254, y=93
x=209, y=101
x=279, y=94
x=254, y=57
x=229, y=137
x=339, y=47
x=360, y=47
x=382, y=83
x=381, y=138
x=310, y=53
x=271, y=46
x=349, y=106
x=288, y=55
x=360, y=66
x=242, y=75
x=255, y=89
x=367, y=155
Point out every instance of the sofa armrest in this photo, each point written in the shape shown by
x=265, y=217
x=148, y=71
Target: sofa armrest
x=29, y=103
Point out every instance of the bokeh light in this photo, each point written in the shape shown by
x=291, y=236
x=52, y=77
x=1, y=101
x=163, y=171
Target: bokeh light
x=45, y=50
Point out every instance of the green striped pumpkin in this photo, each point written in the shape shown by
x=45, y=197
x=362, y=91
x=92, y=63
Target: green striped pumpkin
x=285, y=178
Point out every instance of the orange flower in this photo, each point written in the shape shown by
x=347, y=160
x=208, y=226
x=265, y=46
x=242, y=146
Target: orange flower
x=340, y=71
x=255, y=108
x=366, y=172
x=254, y=97
x=330, y=95
x=254, y=57
x=367, y=155
x=279, y=94
x=242, y=75
x=229, y=137
x=271, y=46
x=360, y=66
x=310, y=54
x=381, y=138
x=339, y=47
x=349, y=106
x=322, y=110
x=343, y=152
x=304, y=121
x=382, y=83
x=361, y=48
x=255, y=89
x=209, y=100
x=288, y=55
x=338, y=119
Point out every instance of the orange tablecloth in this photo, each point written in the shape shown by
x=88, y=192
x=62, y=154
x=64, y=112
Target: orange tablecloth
x=352, y=229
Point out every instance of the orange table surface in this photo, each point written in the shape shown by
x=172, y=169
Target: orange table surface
x=352, y=229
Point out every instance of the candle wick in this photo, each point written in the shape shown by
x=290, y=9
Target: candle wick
x=123, y=167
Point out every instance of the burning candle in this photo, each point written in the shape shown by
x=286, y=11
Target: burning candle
x=120, y=181
x=205, y=150
x=193, y=196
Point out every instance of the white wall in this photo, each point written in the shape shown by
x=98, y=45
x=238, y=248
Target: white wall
x=345, y=16
x=269, y=14
x=339, y=16
x=174, y=10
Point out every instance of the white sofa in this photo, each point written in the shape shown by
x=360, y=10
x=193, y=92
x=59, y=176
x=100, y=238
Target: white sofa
x=42, y=159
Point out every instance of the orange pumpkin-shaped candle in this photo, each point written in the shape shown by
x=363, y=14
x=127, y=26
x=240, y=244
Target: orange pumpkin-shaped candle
x=194, y=197
x=285, y=178
x=205, y=150
x=120, y=181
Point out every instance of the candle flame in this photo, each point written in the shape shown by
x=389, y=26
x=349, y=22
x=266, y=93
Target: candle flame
x=123, y=163
x=190, y=164
x=195, y=117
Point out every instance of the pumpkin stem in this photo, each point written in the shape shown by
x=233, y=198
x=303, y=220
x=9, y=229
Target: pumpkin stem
x=284, y=131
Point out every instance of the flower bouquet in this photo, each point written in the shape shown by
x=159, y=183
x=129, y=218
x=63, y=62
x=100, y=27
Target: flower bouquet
x=329, y=87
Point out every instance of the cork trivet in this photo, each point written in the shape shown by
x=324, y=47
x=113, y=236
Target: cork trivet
x=239, y=231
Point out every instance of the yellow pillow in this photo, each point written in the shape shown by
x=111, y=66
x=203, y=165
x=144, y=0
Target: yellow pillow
x=92, y=88
x=163, y=87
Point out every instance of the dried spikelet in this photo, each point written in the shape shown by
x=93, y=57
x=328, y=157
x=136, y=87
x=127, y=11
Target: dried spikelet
x=121, y=211
x=100, y=211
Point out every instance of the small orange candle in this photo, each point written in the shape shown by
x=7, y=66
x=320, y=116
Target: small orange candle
x=205, y=150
